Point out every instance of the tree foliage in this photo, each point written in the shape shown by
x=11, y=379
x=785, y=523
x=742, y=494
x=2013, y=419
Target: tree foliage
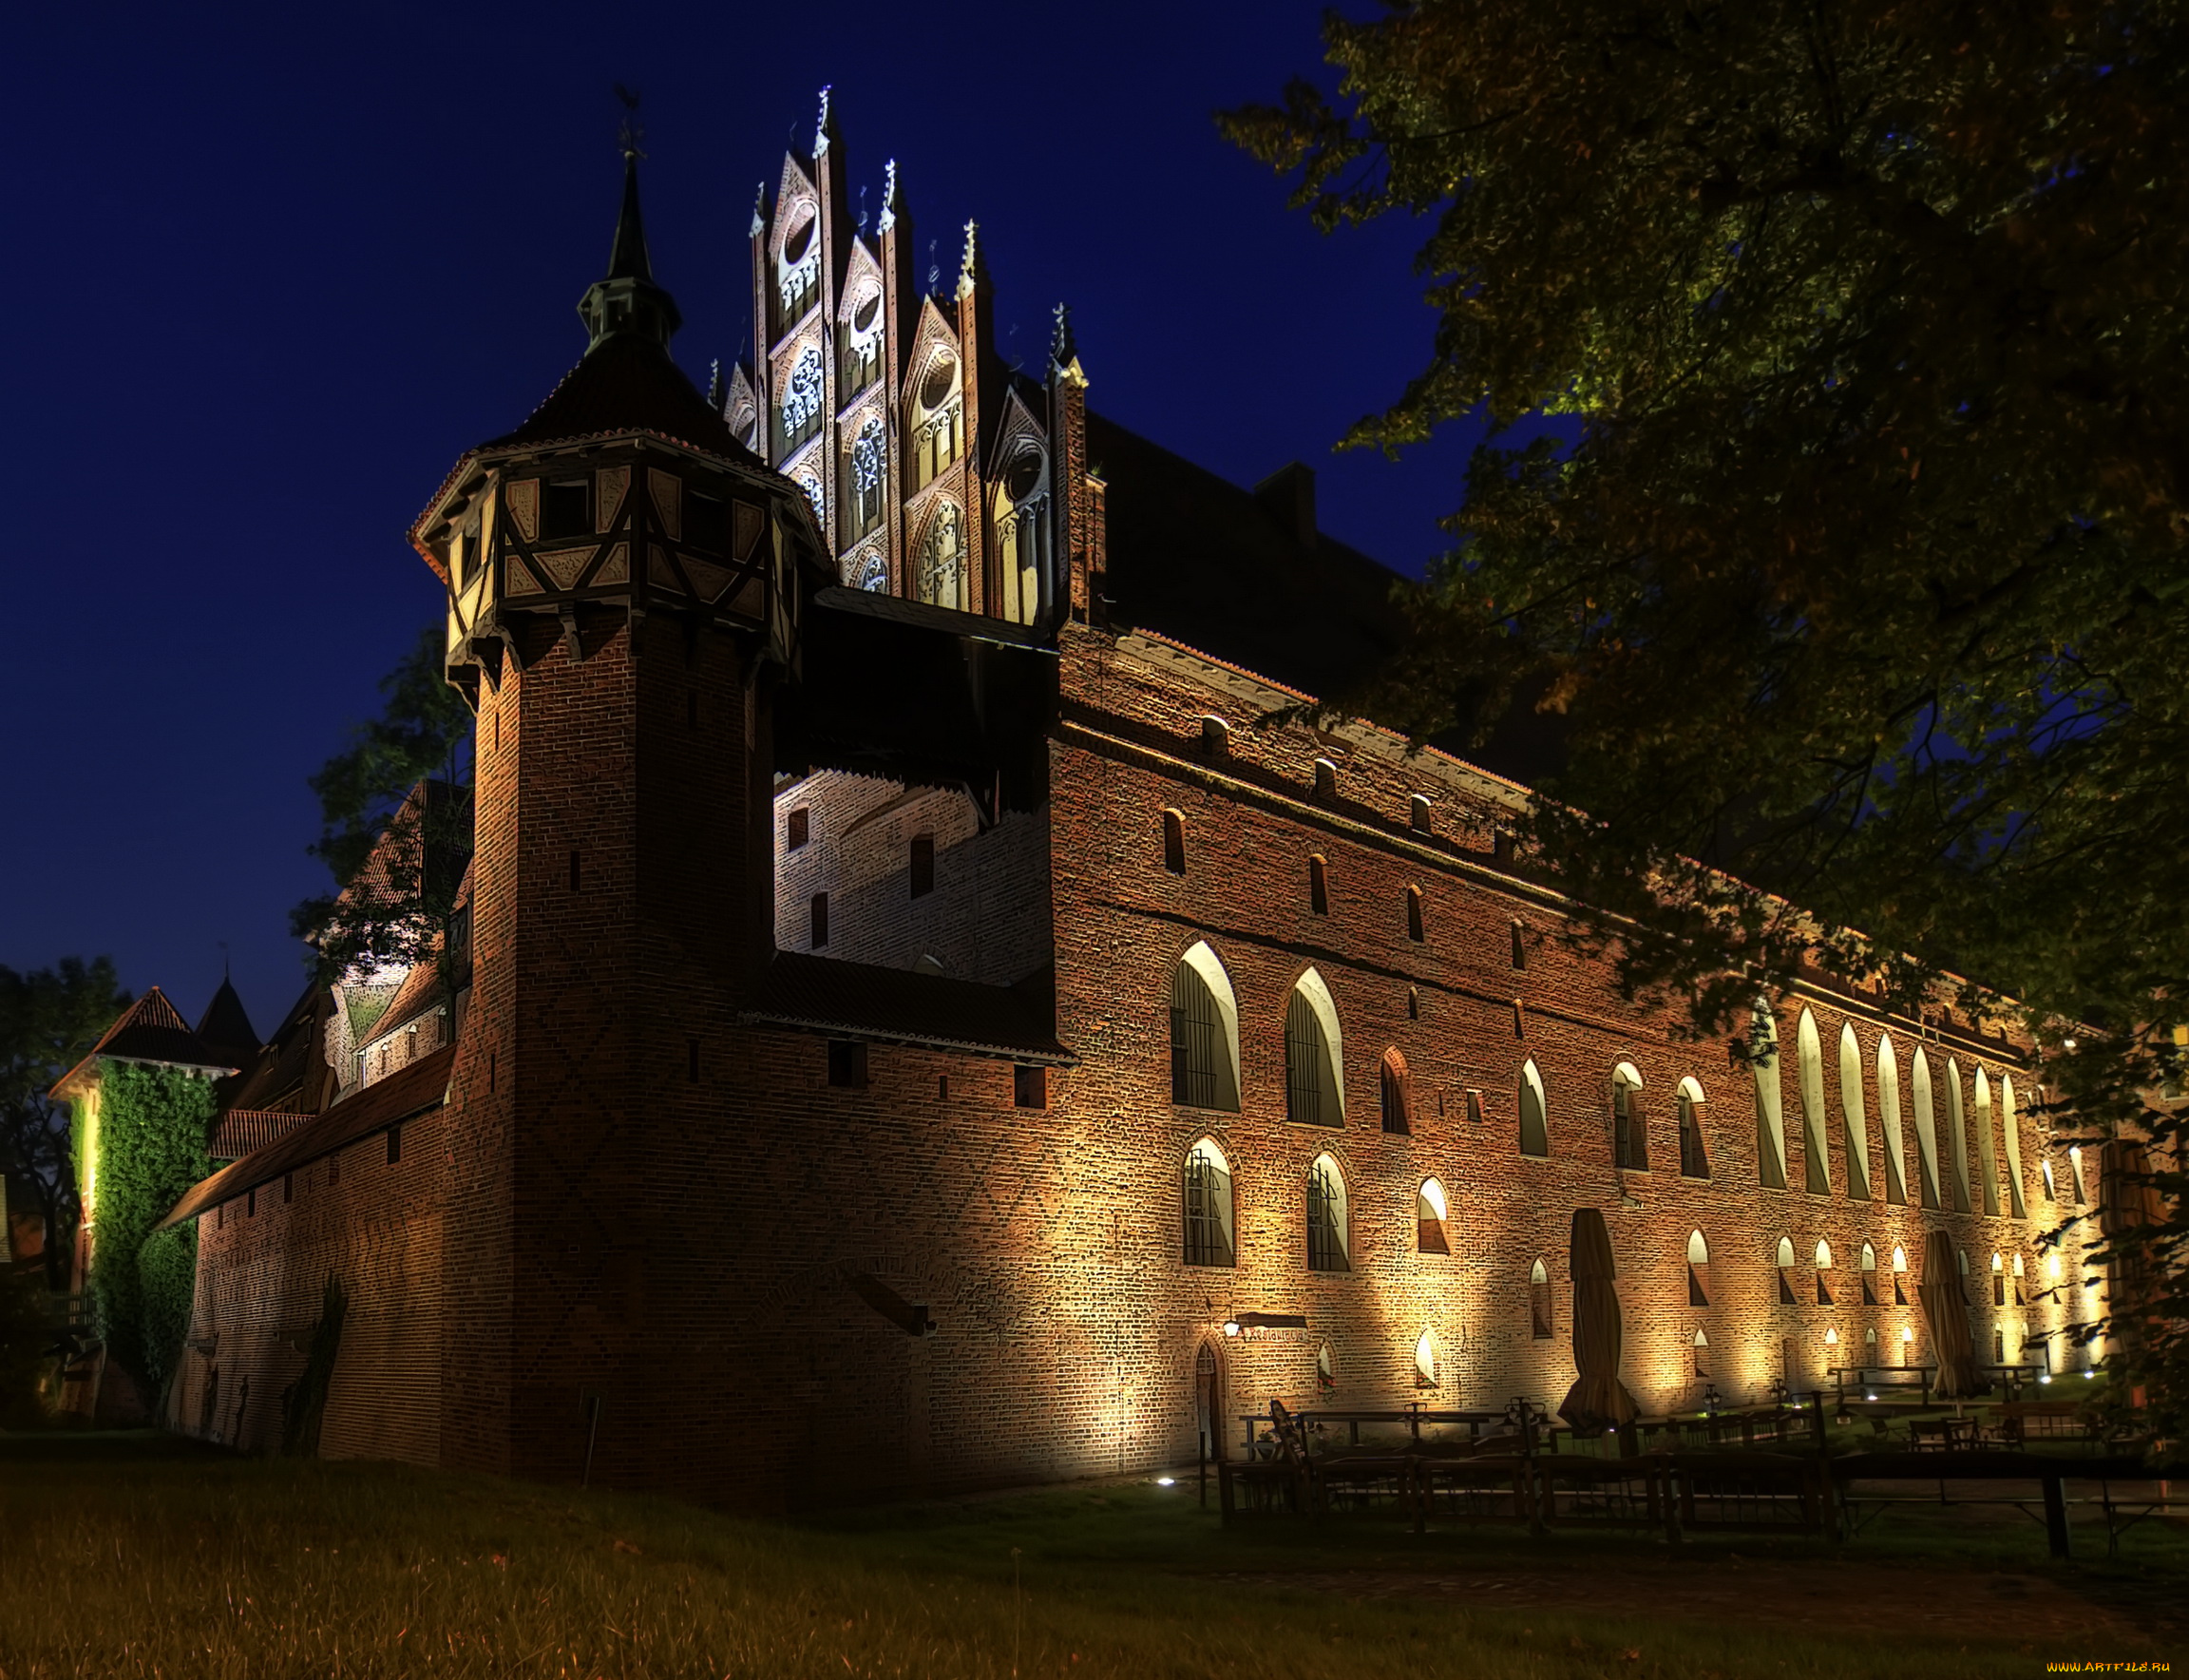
x=153, y=1126
x=1858, y=577
x=397, y=854
x=50, y=1019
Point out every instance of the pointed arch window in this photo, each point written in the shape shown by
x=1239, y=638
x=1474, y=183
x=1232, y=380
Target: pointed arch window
x=1810, y=1056
x=1204, y=1034
x=2075, y=1174
x=1629, y=1135
x=1430, y=1211
x=862, y=342
x=1210, y=1208
x=1986, y=1150
x=938, y=424
x=1396, y=1091
x=1325, y=1370
x=1425, y=1361
x=2021, y=1298
x=1694, y=1157
x=1869, y=1275
x=1824, y=1274
x=1855, y=1125
x=1899, y=1276
x=803, y=395
x=1535, y=1113
x=1022, y=533
x=1698, y=1269
x=2051, y=1187
x=1889, y=1121
x=1539, y=1302
x=1920, y=1099
x=867, y=480
x=1313, y=1095
x=1770, y=1118
x=1998, y=1278
x=1956, y=1140
x=1786, y=1296
x=1326, y=1234
x=1700, y=1346
x=941, y=568
x=2011, y=1128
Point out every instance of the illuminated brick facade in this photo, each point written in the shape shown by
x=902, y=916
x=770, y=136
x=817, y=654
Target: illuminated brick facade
x=729, y=1210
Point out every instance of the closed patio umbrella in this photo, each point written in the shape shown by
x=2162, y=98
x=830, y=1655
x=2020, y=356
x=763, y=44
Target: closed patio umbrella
x=1597, y=1400
x=1946, y=1311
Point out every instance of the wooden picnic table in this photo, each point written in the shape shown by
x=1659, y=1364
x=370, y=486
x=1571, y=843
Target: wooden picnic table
x=1412, y=1417
x=1950, y=1434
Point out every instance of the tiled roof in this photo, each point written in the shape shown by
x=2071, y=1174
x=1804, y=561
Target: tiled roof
x=289, y=1070
x=860, y=1000
x=241, y=1130
x=225, y=1028
x=386, y=1102
x=419, y=989
x=149, y=1030
x=627, y=383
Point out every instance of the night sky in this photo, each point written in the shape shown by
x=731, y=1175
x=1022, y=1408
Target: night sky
x=274, y=270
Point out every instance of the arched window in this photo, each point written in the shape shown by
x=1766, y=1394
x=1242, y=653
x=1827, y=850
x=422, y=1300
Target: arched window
x=1698, y=1269
x=1907, y=1344
x=1398, y=1093
x=1869, y=1348
x=1413, y=926
x=1215, y=736
x=1313, y=1093
x=937, y=425
x=1824, y=1271
x=1326, y=1245
x=802, y=400
x=1786, y=1296
x=1325, y=779
x=860, y=340
x=1175, y=841
x=941, y=568
x=1425, y=1361
x=2020, y=1298
x=1325, y=1369
x=1998, y=1279
x=1694, y=1158
x=1413, y=1009
x=1899, y=1276
x=1629, y=1135
x=1855, y=1125
x=1926, y=1128
x=1987, y=1150
x=1770, y=1121
x=1869, y=1275
x=1209, y=1210
x=1810, y=1056
x=867, y=480
x=1539, y=1301
x=1430, y=1210
x=1701, y=1347
x=1022, y=534
x=1956, y=1138
x=1204, y=1034
x=1418, y=814
x=1535, y=1113
x=2010, y=1125
x=1889, y=1117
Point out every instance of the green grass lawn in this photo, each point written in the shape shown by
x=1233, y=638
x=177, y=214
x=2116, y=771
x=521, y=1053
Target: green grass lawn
x=141, y=1556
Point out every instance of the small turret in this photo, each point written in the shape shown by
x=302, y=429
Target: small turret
x=626, y=300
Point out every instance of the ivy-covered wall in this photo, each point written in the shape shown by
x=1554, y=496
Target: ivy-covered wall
x=153, y=1123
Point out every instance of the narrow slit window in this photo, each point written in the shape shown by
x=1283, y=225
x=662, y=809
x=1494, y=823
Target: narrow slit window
x=1414, y=925
x=796, y=829
x=921, y=865
x=1318, y=884
x=1398, y=1093
x=1824, y=1274
x=1534, y=1121
x=1474, y=1108
x=1786, y=1296
x=1519, y=948
x=1869, y=1275
x=818, y=911
x=690, y=1061
x=1694, y=1158
x=1325, y=779
x=1175, y=841
x=1698, y=1269
x=1421, y=814
x=1539, y=1302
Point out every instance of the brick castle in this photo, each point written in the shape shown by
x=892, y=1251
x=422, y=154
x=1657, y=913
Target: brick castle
x=923, y=1015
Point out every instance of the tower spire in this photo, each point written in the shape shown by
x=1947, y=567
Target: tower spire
x=625, y=301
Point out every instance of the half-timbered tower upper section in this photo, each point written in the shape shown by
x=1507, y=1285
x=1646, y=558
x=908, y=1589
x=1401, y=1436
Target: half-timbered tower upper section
x=932, y=469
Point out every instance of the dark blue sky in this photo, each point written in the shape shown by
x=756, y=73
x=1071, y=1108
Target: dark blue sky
x=275, y=269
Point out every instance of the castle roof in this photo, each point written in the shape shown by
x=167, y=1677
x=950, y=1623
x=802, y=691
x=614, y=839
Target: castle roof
x=627, y=384
x=378, y=1107
x=150, y=1030
x=225, y=1028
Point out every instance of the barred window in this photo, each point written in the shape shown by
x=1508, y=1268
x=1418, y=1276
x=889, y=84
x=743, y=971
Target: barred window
x=1629, y=1136
x=1694, y=1159
x=1326, y=1216
x=1397, y=1093
x=1311, y=1091
x=1204, y=1034
x=1209, y=1207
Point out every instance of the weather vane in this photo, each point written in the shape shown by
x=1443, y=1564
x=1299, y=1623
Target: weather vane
x=629, y=134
